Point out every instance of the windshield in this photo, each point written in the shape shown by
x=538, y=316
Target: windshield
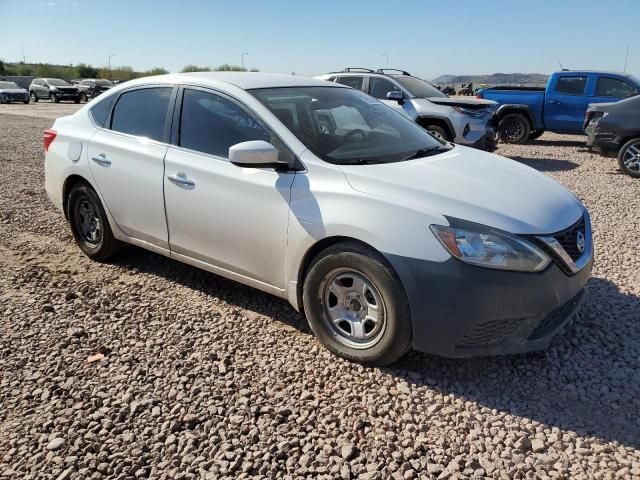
x=419, y=88
x=8, y=85
x=56, y=82
x=345, y=126
x=104, y=83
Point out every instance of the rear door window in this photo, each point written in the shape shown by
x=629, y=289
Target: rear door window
x=571, y=85
x=613, y=87
x=142, y=112
x=352, y=81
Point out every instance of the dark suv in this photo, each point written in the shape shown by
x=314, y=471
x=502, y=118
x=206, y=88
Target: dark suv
x=92, y=87
x=53, y=89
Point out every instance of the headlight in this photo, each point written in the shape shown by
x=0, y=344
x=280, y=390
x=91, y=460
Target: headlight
x=491, y=249
x=477, y=113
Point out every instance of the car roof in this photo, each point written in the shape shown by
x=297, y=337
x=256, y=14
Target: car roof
x=599, y=72
x=244, y=80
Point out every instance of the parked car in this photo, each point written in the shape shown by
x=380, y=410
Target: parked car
x=466, y=89
x=92, y=87
x=614, y=128
x=463, y=121
x=11, y=92
x=525, y=113
x=53, y=89
x=324, y=196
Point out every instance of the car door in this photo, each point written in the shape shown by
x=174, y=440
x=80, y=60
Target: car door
x=566, y=103
x=611, y=89
x=126, y=161
x=379, y=87
x=41, y=89
x=231, y=219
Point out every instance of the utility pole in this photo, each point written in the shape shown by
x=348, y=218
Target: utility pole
x=24, y=57
x=242, y=59
x=109, y=62
x=625, y=60
x=385, y=55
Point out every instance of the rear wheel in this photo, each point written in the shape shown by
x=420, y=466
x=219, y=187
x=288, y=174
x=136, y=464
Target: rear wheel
x=34, y=97
x=89, y=224
x=629, y=158
x=514, y=128
x=357, y=306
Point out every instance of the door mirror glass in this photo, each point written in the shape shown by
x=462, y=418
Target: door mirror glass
x=395, y=95
x=255, y=154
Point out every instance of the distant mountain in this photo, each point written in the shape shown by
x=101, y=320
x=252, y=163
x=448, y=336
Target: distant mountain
x=495, y=79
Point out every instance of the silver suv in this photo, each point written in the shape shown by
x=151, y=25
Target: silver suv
x=466, y=121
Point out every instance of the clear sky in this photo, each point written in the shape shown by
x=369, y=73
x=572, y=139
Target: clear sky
x=426, y=37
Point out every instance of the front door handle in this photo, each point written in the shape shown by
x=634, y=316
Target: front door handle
x=181, y=179
x=101, y=159
x=555, y=102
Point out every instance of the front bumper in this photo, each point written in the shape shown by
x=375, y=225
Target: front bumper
x=460, y=310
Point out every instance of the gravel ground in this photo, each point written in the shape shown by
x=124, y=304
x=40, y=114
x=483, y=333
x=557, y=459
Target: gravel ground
x=42, y=109
x=204, y=378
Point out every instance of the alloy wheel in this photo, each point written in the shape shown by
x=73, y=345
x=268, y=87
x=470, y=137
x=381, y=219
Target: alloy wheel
x=513, y=130
x=88, y=222
x=352, y=308
x=631, y=157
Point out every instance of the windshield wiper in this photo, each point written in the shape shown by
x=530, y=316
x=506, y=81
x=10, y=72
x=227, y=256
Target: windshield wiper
x=426, y=152
x=361, y=161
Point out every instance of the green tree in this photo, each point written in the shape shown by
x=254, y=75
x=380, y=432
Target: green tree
x=195, y=68
x=157, y=71
x=86, y=71
x=225, y=67
x=24, y=70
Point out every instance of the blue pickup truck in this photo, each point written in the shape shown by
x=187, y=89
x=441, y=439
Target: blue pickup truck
x=526, y=113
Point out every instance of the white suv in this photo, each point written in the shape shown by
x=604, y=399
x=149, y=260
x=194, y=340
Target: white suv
x=466, y=121
x=386, y=237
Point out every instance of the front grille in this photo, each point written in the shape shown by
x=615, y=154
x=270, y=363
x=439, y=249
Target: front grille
x=549, y=323
x=490, y=333
x=568, y=239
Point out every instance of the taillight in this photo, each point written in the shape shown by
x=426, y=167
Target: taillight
x=587, y=118
x=479, y=95
x=47, y=137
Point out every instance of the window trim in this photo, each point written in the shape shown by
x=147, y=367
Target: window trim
x=607, y=77
x=298, y=166
x=365, y=81
x=168, y=120
x=584, y=90
x=393, y=82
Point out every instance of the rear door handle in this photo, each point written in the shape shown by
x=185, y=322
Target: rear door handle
x=101, y=159
x=181, y=179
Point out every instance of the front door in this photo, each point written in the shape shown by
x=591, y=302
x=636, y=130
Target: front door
x=231, y=218
x=126, y=161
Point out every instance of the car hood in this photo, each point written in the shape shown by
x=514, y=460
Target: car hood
x=471, y=103
x=12, y=90
x=473, y=185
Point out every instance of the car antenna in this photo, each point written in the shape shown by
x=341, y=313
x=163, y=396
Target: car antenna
x=562, y=68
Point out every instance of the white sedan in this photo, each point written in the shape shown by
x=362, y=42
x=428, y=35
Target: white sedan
x=386, y=237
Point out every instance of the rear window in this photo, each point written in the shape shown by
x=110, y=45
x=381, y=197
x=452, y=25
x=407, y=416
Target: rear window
x=571, y=85
x=100, y=111
x=353, y=82
x=142, y=112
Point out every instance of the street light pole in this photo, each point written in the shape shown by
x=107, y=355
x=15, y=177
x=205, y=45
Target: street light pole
x=109, y=62
x=242, y=59
x=385, y=55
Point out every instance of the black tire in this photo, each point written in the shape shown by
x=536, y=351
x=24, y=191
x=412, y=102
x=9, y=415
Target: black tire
x=83, y=97
x=629, y=160
x=34, y=97
x=103, y=245
x=535, y=135
x=53, y=98
x=26, y=102
x=394, y=339
x=76, y=100
x=514, y=128
x=438, y=132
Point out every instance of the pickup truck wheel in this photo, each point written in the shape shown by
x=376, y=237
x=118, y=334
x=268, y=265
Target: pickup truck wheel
x=34, y=97
x=536, y=134
x=629, y=158
x=356, y=305
x=514, y=128
x=438, y=132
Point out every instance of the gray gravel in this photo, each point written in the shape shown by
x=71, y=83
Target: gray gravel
x=203, y=378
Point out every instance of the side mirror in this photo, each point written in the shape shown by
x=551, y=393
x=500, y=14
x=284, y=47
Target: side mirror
x=396, y=95
x=255, y=154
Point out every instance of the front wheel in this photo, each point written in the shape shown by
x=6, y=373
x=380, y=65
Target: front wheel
x=34, y=97
x=439, y=132
x=356, y=305
x=53, y=98
x=514, y=128
x=83, y=97
x=629, y=158
x=90, y=225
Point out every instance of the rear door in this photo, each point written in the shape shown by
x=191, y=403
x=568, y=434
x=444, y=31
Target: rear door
x=126, y=161
x=565, y=103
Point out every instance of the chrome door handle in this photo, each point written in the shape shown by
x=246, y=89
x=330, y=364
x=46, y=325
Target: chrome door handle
x=181, y=179
x=101, y=159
